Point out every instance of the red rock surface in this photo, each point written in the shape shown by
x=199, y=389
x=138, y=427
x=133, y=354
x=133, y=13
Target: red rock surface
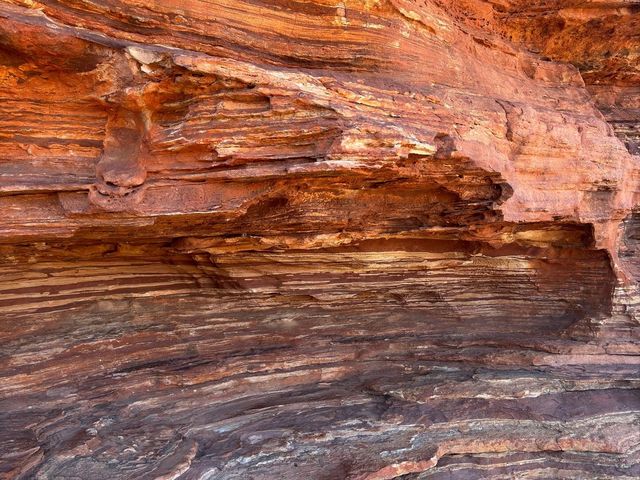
x=277, y=239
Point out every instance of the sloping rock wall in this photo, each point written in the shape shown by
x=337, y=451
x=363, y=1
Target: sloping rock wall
x=368, y=239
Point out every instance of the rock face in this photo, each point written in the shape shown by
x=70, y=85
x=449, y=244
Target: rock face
x=368, y=239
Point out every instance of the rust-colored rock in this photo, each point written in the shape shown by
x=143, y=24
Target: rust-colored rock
x=368, y=239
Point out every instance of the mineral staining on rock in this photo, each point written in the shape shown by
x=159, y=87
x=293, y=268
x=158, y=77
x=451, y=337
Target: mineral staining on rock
x=367, y=239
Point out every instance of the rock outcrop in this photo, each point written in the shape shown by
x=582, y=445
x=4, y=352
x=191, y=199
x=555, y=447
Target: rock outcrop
x=364, y=239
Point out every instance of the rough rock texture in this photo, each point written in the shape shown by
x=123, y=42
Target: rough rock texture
x=284, y=239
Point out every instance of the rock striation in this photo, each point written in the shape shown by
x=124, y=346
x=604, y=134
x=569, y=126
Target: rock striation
x=359, y=239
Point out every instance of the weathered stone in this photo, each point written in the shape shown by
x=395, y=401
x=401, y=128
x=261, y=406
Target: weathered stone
x=281, y=239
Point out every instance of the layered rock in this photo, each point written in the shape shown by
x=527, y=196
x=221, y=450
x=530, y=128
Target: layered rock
x=370, y=239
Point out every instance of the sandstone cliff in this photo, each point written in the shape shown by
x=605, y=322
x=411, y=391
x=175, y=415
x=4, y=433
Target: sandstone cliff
x=289, y=239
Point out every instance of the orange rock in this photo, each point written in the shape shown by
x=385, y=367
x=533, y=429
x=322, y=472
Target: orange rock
x=323, y=239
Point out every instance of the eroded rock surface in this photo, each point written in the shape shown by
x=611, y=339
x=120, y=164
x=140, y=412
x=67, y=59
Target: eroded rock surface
x=369, y=239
